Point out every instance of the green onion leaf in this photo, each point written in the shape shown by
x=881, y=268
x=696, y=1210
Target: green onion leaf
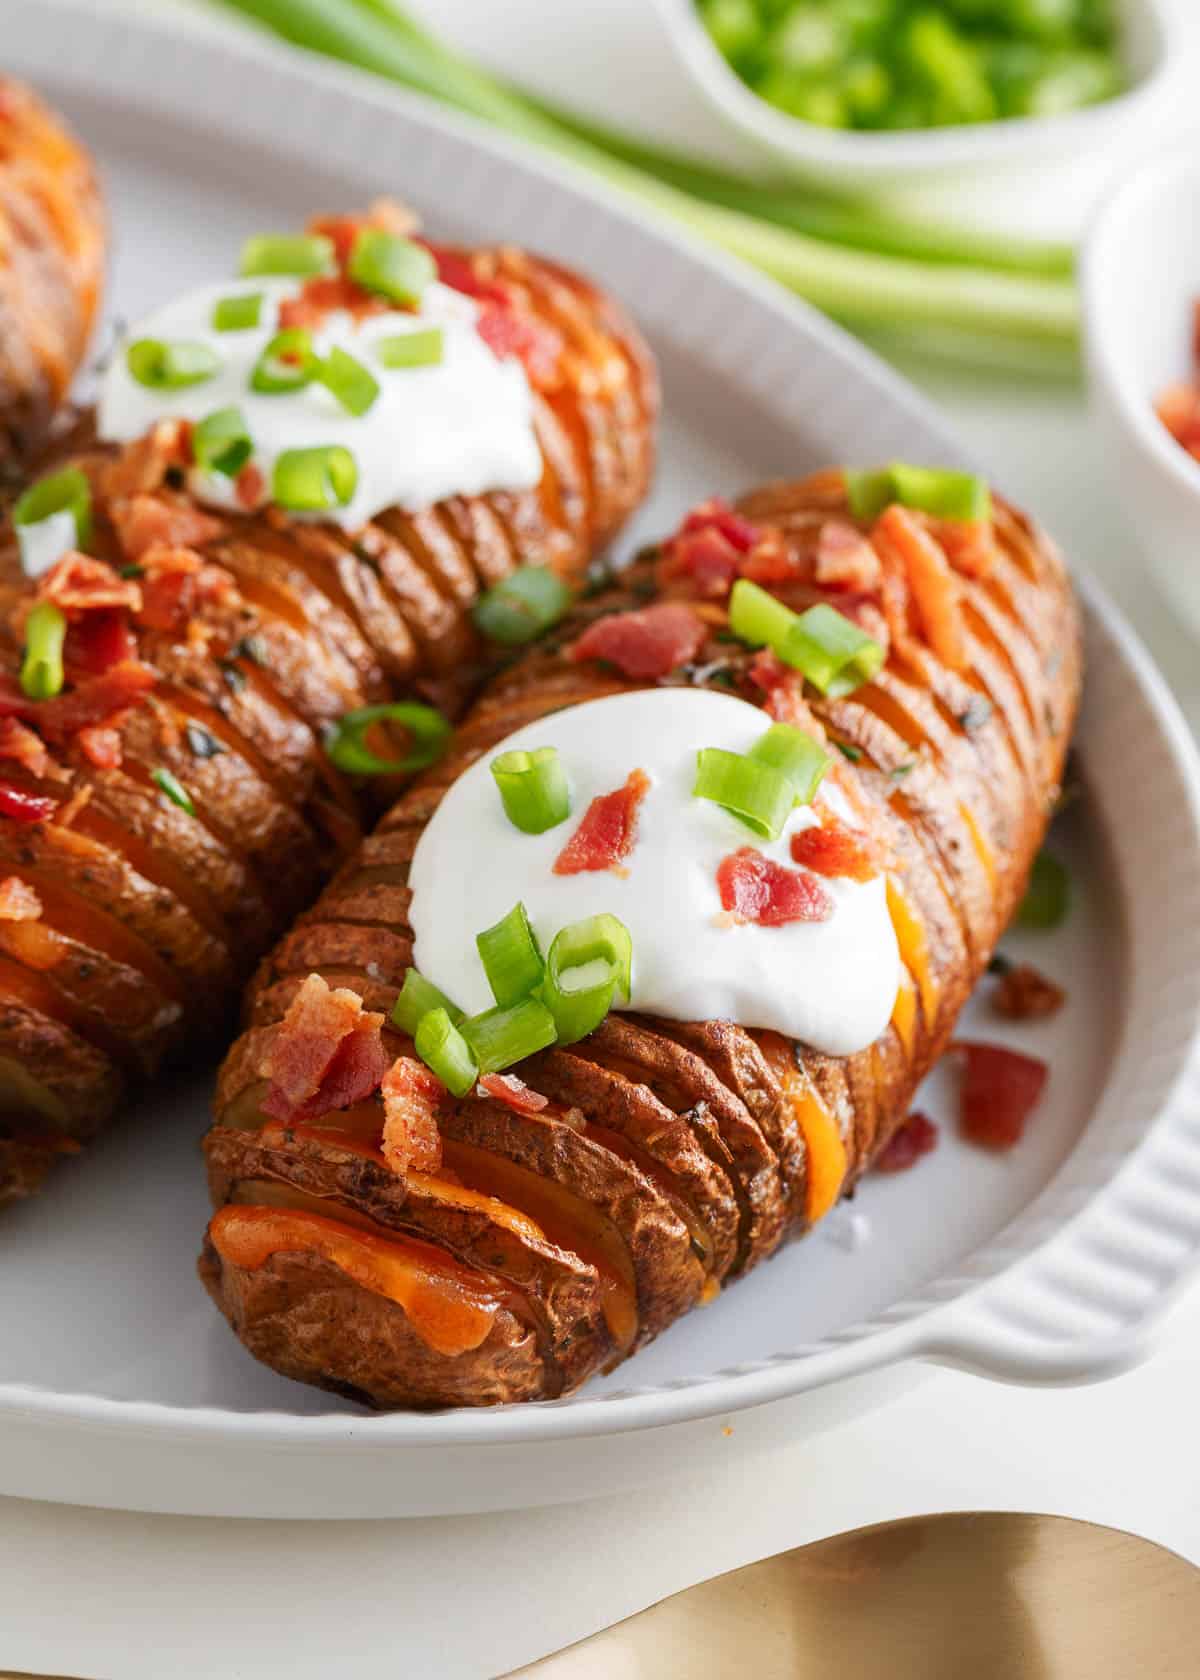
x=833, y=653
x=397, y=268
x=500, y=1037
x=796, y=755
x=412, y=349
x=757, y=793
x=850, y=751
x=941, y=492
x=869, y=492
x=170, y=365
x=510, y=957
x=1048, y=895
x=236, y=314
x=174, y=790
x=598, y=953
x=521, y=607
x=533, y=787
x=416, y=998
x=61, y=492
x=221, y=442
x=757, y=617
x=42, y=667
x=428, y=731
x=288, y=363
x=445, y=1051
x=312, y=480
x=288, y=253
x=354, y=386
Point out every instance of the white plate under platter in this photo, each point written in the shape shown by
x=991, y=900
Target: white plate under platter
x=118, y=1383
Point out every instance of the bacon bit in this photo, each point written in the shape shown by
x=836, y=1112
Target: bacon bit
x=917, y=1136
x=1000, y=1088
x=783, y=687
x=327, y=1053
x=935, y=590
x=970, y=545
x=177, y=581
x=18, y=901
x=412, y=1095
x=833, y=849
x=100, y=743
x=99, y=640
x=1025, y=994
x=342, y=231
x=143, y=465
x=716, y=515
x=759, y=890
x=514, y=1093
x=651, y=642
x=773, y=560
x=706, y=558
x=608, y=830
x=24, y=747
x=19, y=806
x=249, y=486
x=845, y=559
x=146, y=522
x=454, y=270
x=93, y=701
x=79, y=584
x=323, y=295
x=534, y=343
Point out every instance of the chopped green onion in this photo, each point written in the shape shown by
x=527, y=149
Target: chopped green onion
x=413, y=349
x=174, y=790
x=346, y=743
x=170, y=365
x=354, y=386
x=941, y=492
x=398, y=268
x=288, y=253
x=869, y=491
x=445, y=1051
x=288, y=363
x=833, y=653
x=757, y=617
x=42, y=667
x=849, y=750
x=236, y=314
x=796, y=755
x=500, y=1037
x=1048, y=895
x=61, y=492
x=533, y=786
x=510, y=957
x=221, y=442
x=311, y=480
x=757, y=793
x=599, y=953
x=521, y=607
x=416, y=998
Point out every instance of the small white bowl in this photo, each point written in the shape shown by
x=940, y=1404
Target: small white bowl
x=856, y=157
x=1141, y=280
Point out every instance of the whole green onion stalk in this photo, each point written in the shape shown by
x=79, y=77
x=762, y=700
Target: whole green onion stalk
x=859, y=265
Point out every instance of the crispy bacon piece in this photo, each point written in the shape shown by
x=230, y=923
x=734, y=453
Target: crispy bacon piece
x=845, y=558
x=100, y=743
x=79, y=584
x=1025, y=994
x=99, y=640
x=327, y=1053
x=455, y=270
x=177, y=581
x=18, y=901
x=412, y=1095
x=755, y=888
x=650, y=642
x=250, y=486
x=608, y=830
x=92, y=702
x=144, y=522
x=932, y=583
x=835, y=850
x=513, y=1093
x=324, y=294
x=19, y=806
x=536, y=345
x=918, y=1136
x=143, y=465
x=707, y=558
x=783, y=687
x=716, y=515
x=1000, y=1088
x=23, y=747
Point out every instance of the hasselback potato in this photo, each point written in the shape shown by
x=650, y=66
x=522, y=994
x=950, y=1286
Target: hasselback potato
x=376, y=1236
x=173, y=808
x=51, y=266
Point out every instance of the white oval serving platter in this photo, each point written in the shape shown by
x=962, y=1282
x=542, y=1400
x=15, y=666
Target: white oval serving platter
x=119, y=1385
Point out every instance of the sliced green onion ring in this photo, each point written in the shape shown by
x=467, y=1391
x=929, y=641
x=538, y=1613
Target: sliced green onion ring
x=61, y=492
x=521, y=607
x=237, y=313
x=42, y=666
x=288, y=363
x=384, y=262
x=757, y=617
x=941, y=492
x=174, y=790
x=796, y=755
x=601, y=938
x=533, y=788
x=428, y=730
x=354, y=385
x=288, y=253
x=600, y=949
x=445, y=1051
x=1048, y=895
x=412, y=349
x=312, y=480
x=869, y=491
x=511, y=957
x=170, y=364
x=833, y=653
x=500, y=1037
x=759, y=794
x=416, y=998
x=221, y=442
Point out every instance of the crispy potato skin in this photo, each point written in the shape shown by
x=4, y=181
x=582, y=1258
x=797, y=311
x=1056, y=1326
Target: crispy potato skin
x=52, y=240
x=689, y=1139
x=162, y=914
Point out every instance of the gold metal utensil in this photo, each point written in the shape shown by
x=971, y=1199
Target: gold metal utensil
x=974, y=1596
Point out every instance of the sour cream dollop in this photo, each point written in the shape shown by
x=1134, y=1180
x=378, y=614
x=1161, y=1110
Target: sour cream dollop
x=462, y=426
x=829, y=984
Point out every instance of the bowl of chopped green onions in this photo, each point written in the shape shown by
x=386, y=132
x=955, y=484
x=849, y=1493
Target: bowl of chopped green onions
x=867, y=89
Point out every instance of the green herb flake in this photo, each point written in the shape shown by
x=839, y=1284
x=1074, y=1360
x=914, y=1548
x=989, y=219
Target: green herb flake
x=173, y=789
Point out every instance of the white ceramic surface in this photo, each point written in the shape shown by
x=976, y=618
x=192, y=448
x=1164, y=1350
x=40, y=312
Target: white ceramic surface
x=1141, y=289
x=876, y=159
x=118, y=1385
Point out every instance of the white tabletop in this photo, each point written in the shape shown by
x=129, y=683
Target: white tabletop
x=121, y=1597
